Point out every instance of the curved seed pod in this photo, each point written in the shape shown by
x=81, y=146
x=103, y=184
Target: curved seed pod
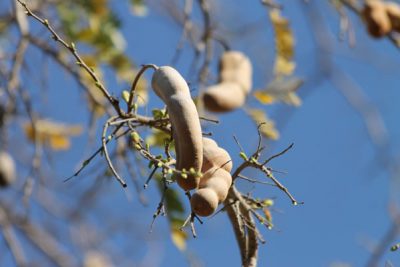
x=393, y=11
x=224, y=97
x=172, y=88
x=7, y=169
x=216, y=180
x=219, y=180
x=236, y=67
x=204, y=202
x=213, y=155
x=235, y=82
x=376, y=18
x=214, y=187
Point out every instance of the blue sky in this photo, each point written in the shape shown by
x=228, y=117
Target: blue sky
x=331, y=166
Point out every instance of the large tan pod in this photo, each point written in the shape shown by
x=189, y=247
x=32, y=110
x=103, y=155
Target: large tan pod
x=235, y=82
x=393, y=11
x=236, y=67
x=214, y=187
x=376, y=18
x=7, y=169
x=213, y=155
x=170, y=86
x=204, y=202
x=216, y=180
x=219, y=180
x=224, y=97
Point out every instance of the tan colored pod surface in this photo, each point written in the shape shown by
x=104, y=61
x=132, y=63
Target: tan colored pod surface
x=216, y=173
x=170, y=86
x=167, y=81
x=188, y=139
x=204, y=202
x=7, y=169
x=224, y=97
x=393, y=11
x=219, y=186
x=376, y=18
x=96, y=259
x=217, y=181
x=236, y=67
x=213, y=155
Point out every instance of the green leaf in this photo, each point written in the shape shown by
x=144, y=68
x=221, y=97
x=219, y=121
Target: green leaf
x=125, y=95
x=158, y=138
x=395, y=247
x=243, y=155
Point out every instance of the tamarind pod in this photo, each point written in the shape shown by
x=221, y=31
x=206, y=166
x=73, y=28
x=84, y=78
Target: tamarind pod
x=204, y=202
x=172, y=88
x=167, y=81
x=213, y=155
x=190, y=146
x=236, y=67
x=376, y=18
x=7, y=169
x=393, y=11
x=214, y=187
x=218, y=180
x=224, y=97
x=219, y=186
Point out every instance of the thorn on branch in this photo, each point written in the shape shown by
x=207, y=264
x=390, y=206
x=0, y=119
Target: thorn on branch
x=150, y=176
x=160, y=207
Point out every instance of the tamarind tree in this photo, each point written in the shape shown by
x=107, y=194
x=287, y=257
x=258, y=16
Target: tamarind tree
x=161, y=133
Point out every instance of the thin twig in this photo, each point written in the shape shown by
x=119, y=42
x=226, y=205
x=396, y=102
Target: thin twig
x=254, y=180
x=11, y=240
x=104, y=145
x=80, y=62
x=134, y=84
x=278, y=154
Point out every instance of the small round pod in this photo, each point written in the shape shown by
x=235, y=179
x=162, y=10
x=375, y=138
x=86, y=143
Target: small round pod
x=224, y=97
x=7, y=169
x=376, y=18
x=393, y=11
x=213, y=155
x=172, y=88
x=204, y=202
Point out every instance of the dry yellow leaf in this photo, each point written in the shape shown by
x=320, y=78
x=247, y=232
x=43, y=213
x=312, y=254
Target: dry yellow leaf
x=292, y=99
x=284, y=66
x=59, y=142
x=90, y=60
x=268, y=126
x=280, y=89
x=96, y=100
x=264, y=97
x=284, y=44
x=55, y=135
x=141, y=92
x=267, y=214
x=179, y=238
